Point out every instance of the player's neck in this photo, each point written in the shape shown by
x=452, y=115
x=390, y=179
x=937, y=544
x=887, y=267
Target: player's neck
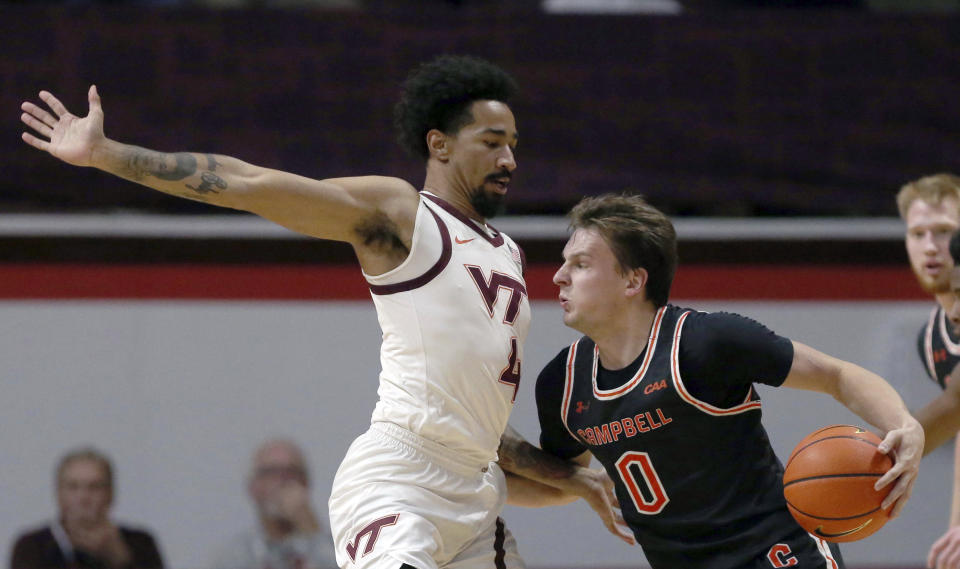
x=944, y=299
x=438, y=184
x=624, y=340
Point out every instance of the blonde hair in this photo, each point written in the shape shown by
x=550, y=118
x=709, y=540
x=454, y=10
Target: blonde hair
x=931, y=189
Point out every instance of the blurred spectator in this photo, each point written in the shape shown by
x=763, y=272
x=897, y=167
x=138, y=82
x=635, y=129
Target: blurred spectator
x=83, y=535
x=289, y=534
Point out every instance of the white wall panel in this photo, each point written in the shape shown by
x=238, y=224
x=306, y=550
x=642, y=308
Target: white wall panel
x=178, y=393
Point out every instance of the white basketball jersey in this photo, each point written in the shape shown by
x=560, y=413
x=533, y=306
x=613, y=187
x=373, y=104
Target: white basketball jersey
x=454, y=317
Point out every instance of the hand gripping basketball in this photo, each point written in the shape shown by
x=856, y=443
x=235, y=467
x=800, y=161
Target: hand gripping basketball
x=828, y=483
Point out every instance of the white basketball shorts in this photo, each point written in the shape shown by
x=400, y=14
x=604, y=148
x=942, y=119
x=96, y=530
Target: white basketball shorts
x=398, y=498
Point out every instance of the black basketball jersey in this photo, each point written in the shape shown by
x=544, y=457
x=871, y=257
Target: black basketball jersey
x=696, y=477
x=938, y=346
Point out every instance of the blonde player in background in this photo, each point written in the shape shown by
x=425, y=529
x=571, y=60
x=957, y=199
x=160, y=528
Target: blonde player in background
x=930, y=208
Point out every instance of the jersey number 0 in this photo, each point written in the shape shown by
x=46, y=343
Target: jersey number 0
x=642, y=482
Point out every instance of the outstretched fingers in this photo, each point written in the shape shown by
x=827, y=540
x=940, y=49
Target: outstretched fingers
x=36, y=124
x=39, y=114
x=35, y=142
x=54, y=103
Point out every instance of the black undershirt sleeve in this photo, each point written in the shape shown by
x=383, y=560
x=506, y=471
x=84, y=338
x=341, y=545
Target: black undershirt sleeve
x=722, y=354
x=554, y=437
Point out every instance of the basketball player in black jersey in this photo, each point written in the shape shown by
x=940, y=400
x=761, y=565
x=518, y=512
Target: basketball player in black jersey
x=930, y=207
x=664, y=398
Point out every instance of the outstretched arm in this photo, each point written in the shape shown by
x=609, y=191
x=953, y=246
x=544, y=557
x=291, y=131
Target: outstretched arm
x=536, y=478
x=871, y=398
x=329, y=209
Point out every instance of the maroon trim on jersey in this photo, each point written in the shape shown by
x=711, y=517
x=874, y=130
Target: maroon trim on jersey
x=496, y=240
x=431, y=272
x=499, y=551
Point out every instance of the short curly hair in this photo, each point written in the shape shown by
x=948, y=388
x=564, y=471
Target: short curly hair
x=438, y=94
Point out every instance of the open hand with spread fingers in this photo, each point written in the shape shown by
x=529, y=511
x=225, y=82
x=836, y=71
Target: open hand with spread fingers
x=61, y=133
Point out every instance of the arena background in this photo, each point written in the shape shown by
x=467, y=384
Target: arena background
x=176, y=337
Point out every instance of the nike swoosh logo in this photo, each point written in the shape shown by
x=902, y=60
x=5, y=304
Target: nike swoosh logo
x=462, y=241
x=819, y=531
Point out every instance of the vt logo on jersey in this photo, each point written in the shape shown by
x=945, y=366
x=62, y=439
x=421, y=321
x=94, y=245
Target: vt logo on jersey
x=373, y=531
x=490, y=291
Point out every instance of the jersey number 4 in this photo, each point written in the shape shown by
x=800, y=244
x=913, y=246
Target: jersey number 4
x=642, y=482
x=511, y=374
x=490, y=291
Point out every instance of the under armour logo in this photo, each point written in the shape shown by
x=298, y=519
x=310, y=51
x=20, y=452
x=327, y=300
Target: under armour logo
x=373, y=530
x=581, y=407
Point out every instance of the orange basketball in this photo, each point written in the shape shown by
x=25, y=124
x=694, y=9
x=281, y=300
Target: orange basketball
x=828, y=483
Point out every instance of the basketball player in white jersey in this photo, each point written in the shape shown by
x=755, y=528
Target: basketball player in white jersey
x=422, y=487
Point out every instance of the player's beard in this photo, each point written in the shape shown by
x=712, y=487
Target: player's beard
x=488, y=204
x=937, y=285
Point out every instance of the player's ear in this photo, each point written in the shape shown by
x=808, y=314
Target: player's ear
x=636, y=281
x=438, y=144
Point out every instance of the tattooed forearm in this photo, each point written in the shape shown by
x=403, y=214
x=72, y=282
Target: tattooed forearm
x=142, y=163
x=209, y=183
x=520, y=457
x=170, y=167
x=191, y=196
